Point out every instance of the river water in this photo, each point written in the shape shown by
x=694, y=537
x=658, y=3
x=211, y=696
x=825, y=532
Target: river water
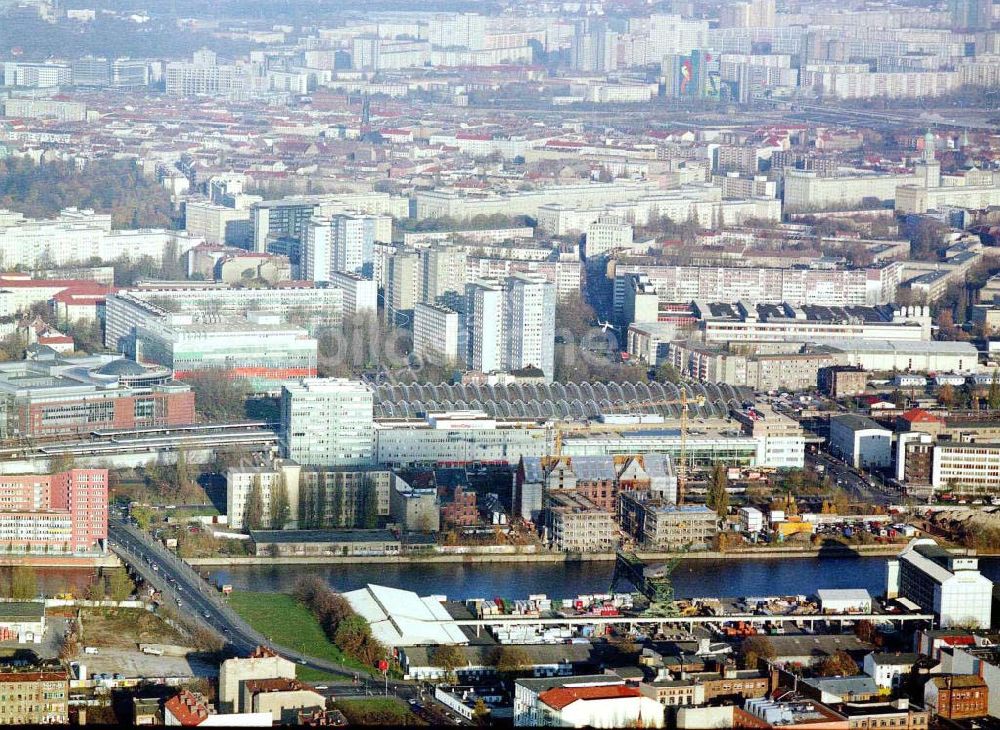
x=701, y=578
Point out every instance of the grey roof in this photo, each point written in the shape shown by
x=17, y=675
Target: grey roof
x=857, y=423
x=546, y=683
x=901, y=659
x=121, y=367
x=291, y=536
x=532, y=466
x=860, y=684
x=593, y=468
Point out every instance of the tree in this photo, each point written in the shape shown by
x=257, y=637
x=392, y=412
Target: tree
x=253, y=511
x=667, y=373
x=718, y=497
x=182, y=471
x=119, y=585
x=946, y=395
x=217, y=396
x=755, y=648
x=480, y=712
x=838, y=664
x=370, y=519
x=280, y=509
x=511, y=659
x=449, y=658
x=23, y=582
x=993, y=397
x=352, y=633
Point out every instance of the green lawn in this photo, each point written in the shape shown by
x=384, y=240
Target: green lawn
x=377, y=711
x=287, y=622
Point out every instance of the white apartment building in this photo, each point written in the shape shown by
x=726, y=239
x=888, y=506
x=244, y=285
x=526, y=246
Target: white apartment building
x=338, y=243
x=76, y=236
x=360, y=294
x=807, y=191
x=607, y=233
x=240, y=482
x=758, y=285
x=511, y=325
x=461, y=205
x=327, y=422
x=484, y=302
x=529, y=323
x=435, y=332
x=217, y=224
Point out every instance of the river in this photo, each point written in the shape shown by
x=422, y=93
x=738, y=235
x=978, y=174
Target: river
x=703, y=578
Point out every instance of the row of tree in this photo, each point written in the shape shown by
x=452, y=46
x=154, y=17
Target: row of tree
x=346, y=629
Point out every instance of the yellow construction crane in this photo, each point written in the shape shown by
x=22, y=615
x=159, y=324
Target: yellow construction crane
x=684, y=402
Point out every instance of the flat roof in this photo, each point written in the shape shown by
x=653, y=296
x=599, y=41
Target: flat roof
x=293, y=536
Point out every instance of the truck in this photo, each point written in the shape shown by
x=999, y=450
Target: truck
x=90, y=650
x=152, y=650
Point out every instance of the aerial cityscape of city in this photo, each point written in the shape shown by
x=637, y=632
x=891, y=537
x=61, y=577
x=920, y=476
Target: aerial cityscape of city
x=560, y=363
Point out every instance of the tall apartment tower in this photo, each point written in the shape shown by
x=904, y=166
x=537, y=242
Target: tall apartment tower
x=511, y=325
x=327, y=422
x=339, y=243
x=484, y=304
x=402, y=286
x=529, y=323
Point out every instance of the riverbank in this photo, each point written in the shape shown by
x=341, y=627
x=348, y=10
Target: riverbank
x=552, y=558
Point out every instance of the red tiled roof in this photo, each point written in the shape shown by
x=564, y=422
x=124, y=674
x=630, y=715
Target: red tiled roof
x=919, y=415
x=561, y=697
x=187, y=708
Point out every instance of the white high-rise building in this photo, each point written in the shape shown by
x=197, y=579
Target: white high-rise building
x=529, y=323
x=607, y=233
x=511, y=326
x=327, y=422
x=338, y=243
x=435, y=332
x=484, y=325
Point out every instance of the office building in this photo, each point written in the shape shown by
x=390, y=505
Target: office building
x=65, y=513
x=259, y=349
x=52, y=397
x=435, y=333
x=459, y=438
x=949, y=586
x=218, y=224
x=288, y=217
x=344, y=497
x=969, y=468
x=327, y=422
x=164, y=303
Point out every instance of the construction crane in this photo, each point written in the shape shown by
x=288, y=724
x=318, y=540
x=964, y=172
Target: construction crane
x=652, y=581
x=684, y=402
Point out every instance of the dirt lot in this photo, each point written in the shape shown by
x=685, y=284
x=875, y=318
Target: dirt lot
x=126, y=628
x=131, y=663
